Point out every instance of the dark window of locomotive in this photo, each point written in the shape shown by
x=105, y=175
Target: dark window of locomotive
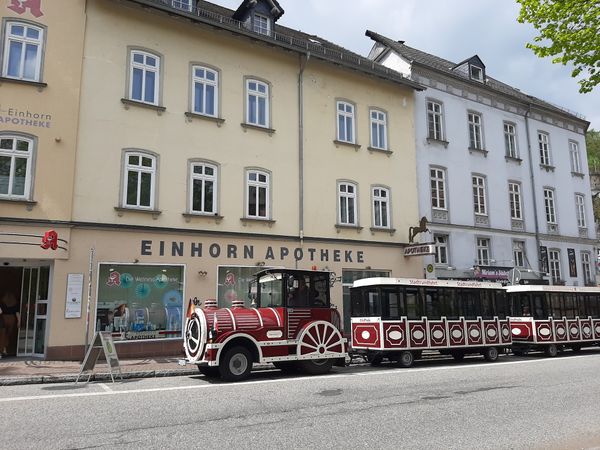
x=318, y=293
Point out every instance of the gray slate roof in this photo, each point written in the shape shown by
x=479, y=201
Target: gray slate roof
x=426, y=60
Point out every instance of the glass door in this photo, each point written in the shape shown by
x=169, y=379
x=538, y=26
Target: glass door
x=34, y=311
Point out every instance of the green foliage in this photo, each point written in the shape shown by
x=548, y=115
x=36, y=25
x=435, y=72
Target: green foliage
x=570, y=32
x=592, y=143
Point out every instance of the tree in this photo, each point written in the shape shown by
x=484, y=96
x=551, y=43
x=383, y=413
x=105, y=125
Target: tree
x=569, y=31
x=592, y=143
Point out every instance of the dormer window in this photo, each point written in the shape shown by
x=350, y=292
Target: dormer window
x=262, y=24
x=186, y=5
x=476, y=73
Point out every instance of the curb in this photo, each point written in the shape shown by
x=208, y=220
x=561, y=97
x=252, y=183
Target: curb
x=70, y=378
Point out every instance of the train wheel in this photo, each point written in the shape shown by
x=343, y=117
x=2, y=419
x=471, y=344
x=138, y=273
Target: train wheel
x=406, y=359
x=208, y=371
x=490, y=354
x=236, y=364
x=576, y=348
x=458, y=356
x=315, y=366
x=551, y=350
x=320, y=339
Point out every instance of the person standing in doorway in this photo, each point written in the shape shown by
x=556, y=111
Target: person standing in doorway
x=12, y=321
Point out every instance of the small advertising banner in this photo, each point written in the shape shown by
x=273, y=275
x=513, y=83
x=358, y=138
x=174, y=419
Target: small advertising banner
x=491, y=273
x=572, y=263
x=544, y=259
x=419, y=250
x=103, y=342
x=74, y=295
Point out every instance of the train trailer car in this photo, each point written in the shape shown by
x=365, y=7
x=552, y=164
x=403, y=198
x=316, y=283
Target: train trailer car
x=289, y=323
x=551, y=318
x=398, y=318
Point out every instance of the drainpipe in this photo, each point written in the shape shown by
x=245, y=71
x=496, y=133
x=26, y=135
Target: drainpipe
x=532, y=179
x=303, y=64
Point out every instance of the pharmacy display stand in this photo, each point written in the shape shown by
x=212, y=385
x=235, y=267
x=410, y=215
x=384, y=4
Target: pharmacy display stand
x=103, y=342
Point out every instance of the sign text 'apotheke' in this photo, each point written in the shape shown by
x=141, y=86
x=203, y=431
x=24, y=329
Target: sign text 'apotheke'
x=231, y=251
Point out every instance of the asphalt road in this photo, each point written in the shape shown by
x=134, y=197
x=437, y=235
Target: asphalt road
x=531, y=402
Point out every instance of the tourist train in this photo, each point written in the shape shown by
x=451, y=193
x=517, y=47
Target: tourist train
x=289, y=321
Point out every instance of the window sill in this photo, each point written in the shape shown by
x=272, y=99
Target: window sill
x=127, y=102
x=513, y=159
x=249, y=126
x=37, y=84
x=191, y=115
x=481, y=151
x=438, y=142
x=383, y=230
x=578, y=175
x=547, y=168
x=246, y=220
x=341, y=227
x=29, y=204
x=190, y=215
x=346, y=144
x=380, y=150
x=122, y=210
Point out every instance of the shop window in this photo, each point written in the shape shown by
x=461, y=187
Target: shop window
x=140, y=302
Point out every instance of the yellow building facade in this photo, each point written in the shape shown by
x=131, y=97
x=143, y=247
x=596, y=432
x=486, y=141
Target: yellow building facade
x=211, y=143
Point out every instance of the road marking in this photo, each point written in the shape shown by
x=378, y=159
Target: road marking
x=383, y=372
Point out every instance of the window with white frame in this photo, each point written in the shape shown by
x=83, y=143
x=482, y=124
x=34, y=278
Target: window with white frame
x=586, y=264
x=514, y=198
x=476, y=73
x=347, y=204
x=257, y=103
x=139, y=180
x=554, y=263
x=475, y=135
x=203, y=188
x=510, y=140
x=16, y=161
x=144, y=77
x=580, y=207
x=378, y=129
x=23, y=50
x=441, y=249
x=205, y=91
x=345, y=122
x=483, y=251
x=437, y=179
x=549, y=206
x=262, y=24
x=544, y=147
x=186, y=5
x=575, y=158
x=434, y=121
x=381, y=207
x=479, y=201
x=257, y=194
x=519, y=253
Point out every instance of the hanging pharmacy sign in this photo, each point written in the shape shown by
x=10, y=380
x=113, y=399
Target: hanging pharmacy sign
x=419, y=250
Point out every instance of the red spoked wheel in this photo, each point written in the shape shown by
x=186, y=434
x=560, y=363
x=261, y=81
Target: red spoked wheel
x=320, y=339
x=194, y=341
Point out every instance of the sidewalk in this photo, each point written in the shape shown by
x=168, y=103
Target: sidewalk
x=16, y=371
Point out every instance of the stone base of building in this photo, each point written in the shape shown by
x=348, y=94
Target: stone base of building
x=124, y=350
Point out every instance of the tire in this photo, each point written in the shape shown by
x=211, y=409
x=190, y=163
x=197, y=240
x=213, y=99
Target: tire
x=576, y=348
x=458, y=356
x=405, y=359
x=490, y=354
x=551, y=350
x=236, y=364
x=315, y=366
x=286, y=366
x=208, y=371
x=375, y=359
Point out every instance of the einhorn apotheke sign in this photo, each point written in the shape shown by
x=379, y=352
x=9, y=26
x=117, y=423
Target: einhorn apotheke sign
x=24, y=117
x=249, y=252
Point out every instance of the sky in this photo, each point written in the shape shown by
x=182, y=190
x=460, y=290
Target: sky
x=451, y=29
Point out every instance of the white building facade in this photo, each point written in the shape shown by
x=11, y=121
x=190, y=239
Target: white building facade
x=502, y=176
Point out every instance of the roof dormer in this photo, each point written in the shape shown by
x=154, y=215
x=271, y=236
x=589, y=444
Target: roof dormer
x=472, y=68
x=259, y=15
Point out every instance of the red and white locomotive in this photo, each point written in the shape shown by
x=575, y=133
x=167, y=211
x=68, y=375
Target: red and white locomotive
x=291, y=324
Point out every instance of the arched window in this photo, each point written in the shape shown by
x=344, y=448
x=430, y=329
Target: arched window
x=16, y=161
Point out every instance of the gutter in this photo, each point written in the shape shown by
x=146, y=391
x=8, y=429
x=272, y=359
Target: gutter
x=301, y=147
x=532, y=182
